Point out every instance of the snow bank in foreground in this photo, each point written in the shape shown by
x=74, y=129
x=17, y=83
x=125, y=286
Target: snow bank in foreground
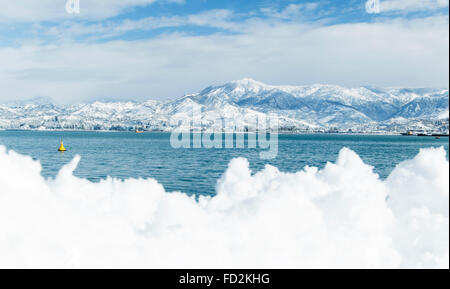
x=341, y=216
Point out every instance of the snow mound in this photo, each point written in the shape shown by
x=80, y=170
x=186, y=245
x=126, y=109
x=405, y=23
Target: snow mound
x=341, y=216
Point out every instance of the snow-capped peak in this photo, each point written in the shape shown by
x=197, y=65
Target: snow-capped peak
x=249, y=83
x=314, y=106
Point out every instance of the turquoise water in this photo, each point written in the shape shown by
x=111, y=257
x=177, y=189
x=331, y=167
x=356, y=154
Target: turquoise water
x=196, y=171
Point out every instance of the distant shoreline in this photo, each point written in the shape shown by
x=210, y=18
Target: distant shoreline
x=280, y=132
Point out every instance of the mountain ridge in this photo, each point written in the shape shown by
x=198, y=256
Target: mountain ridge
x=317, y=107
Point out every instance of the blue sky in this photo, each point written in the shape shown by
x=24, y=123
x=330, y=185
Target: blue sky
x=141, y=49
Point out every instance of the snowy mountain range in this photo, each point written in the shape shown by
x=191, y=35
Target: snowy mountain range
x=299, y=109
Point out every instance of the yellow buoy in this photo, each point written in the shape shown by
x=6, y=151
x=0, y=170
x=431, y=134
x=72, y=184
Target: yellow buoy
x=61, y=147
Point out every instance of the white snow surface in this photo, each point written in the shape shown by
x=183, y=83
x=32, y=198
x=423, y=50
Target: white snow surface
x=299, y=108
x=341, y=216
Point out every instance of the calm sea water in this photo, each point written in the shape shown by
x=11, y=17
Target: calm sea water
x=196, y=171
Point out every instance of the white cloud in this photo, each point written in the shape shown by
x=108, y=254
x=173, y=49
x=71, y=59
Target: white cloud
x=291, y=10
x=390, y=53
x=377, y=6
x=221, y=19
x=55, y=10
